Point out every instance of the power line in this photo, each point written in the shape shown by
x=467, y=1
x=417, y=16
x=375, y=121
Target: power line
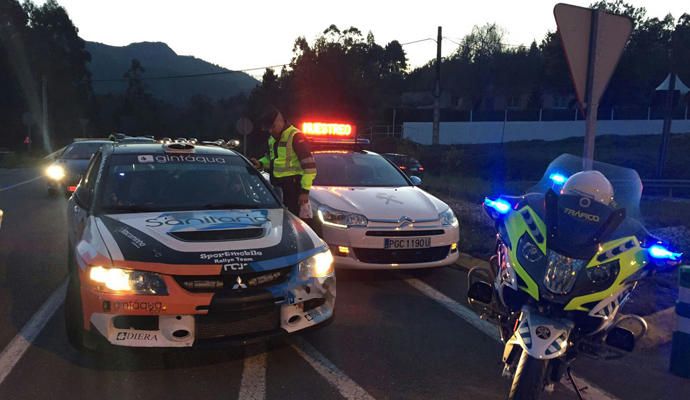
x=417, y=41
x=166, y=77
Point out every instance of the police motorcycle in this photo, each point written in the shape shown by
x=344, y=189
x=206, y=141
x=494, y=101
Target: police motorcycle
x=568, y=255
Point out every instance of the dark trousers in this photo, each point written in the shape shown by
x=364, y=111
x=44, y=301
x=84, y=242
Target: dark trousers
x=292, y=187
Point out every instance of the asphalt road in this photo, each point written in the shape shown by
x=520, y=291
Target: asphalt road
x=395, y=335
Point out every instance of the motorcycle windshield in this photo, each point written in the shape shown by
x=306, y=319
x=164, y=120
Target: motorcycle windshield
x=577, y=225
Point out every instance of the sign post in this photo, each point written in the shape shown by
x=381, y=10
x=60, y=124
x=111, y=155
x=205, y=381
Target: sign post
x=244, y=127
x=593, y=41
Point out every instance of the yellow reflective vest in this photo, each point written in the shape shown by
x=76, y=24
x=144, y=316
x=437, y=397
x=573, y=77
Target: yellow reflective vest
x=284, y=161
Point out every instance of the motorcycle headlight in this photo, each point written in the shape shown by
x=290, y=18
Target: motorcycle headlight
x=319, y=265
x=561, y=273
x=55, y=172
x=605, y=274
x=340, y=219
x=127, y=281
x=448, y=218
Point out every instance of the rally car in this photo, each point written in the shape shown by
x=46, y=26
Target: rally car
x=69, y=166
x=174, y=245
x=371, y=214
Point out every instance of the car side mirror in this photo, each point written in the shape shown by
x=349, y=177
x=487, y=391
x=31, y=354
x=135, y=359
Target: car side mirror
x=279, y=192
x=417, y=181
x=481, y=292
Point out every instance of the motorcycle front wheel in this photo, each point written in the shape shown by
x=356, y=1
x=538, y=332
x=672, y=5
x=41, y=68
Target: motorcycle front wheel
x=529, y=379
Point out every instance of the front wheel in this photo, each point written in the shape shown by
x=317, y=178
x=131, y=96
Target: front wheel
x=529, y=379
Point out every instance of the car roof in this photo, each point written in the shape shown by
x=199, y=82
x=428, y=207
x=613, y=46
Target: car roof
x=159, y=148
x=95, y=141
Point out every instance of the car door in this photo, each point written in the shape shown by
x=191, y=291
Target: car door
x=80, y=203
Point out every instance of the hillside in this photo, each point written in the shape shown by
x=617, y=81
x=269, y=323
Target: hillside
x=111, y=62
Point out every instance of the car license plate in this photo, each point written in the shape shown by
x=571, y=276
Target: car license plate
x=407, y=243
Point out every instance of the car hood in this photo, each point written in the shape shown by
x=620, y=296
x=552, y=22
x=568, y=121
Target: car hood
x=259, y=239
x=73, y=167
x=381, y=203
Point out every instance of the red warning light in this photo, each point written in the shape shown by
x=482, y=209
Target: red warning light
x=71, y=189
x=327, y=129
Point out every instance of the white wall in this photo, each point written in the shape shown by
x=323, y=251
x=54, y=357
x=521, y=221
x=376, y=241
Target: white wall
x=491, y=132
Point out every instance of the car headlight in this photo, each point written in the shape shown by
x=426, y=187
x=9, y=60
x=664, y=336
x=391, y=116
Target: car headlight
x=319, y=265
x=340, y=219
x=55, y=172
x=127, y=281
x=448, y=218
x=561, y=273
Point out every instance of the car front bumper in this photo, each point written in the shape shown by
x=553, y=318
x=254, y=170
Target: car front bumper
x=185, y=319
x=367, y=252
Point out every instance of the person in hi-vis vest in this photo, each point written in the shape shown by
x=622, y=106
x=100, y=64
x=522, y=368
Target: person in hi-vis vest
x=289, y=162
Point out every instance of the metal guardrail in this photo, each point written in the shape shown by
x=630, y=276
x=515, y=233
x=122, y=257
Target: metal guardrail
x=668, y=185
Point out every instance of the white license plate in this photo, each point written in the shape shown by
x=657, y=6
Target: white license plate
x=407, y=243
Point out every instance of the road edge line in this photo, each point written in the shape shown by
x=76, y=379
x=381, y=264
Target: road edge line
x=20, y=184
x=253, y=383
x=15, y=350
x=348, y=388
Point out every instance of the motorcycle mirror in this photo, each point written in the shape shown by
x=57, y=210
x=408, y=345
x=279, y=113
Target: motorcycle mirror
x=621, y=338
x=481, y=292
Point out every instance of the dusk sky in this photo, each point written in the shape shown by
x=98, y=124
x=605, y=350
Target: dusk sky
x=248, y=34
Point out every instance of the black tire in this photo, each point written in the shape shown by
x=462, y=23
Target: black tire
x=74, y=315
x=529, y=379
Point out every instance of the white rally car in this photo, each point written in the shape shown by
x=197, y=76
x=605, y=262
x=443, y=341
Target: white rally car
x=375, y=217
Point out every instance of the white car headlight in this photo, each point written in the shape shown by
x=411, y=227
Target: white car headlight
x=127, y=281
x=319, y=265
x=340, y=219
x=55, y=172
x=448, y=218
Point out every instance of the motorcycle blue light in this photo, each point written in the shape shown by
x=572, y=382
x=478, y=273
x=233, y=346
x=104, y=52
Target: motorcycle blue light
x=500, y=205
x=662, y=253
x=557, y=178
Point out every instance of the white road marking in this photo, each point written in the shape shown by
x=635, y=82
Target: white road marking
x=591, y=391
x=253, y=385
x=14, y=351
x=346, y=386
x=20, y=184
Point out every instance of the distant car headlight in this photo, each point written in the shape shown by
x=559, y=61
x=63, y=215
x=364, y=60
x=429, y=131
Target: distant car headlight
x=127, y=281
x=448, y=218
x=319, y=265
x=55, y=172
x=340, y=219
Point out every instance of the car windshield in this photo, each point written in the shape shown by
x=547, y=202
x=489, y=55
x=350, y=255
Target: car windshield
x=81, y=151
x=355, y=169
x=139, y=183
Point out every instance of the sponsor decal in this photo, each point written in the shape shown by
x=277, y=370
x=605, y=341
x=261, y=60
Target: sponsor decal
x=139, y=336
x=234, y=267
x=148, y=306
x=543, y=332
x=233, y=260
x=136, y=241
x=189, y=158
x=229, y=220
x=582, y=215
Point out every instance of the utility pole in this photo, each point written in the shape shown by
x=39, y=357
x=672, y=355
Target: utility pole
x=666, y=131
x=437, y=92
x=591, y=104
x=44, y=112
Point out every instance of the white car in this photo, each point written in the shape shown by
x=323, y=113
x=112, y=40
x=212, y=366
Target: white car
x=375, y=217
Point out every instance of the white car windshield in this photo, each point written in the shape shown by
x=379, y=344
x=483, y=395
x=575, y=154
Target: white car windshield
x=335, y=168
